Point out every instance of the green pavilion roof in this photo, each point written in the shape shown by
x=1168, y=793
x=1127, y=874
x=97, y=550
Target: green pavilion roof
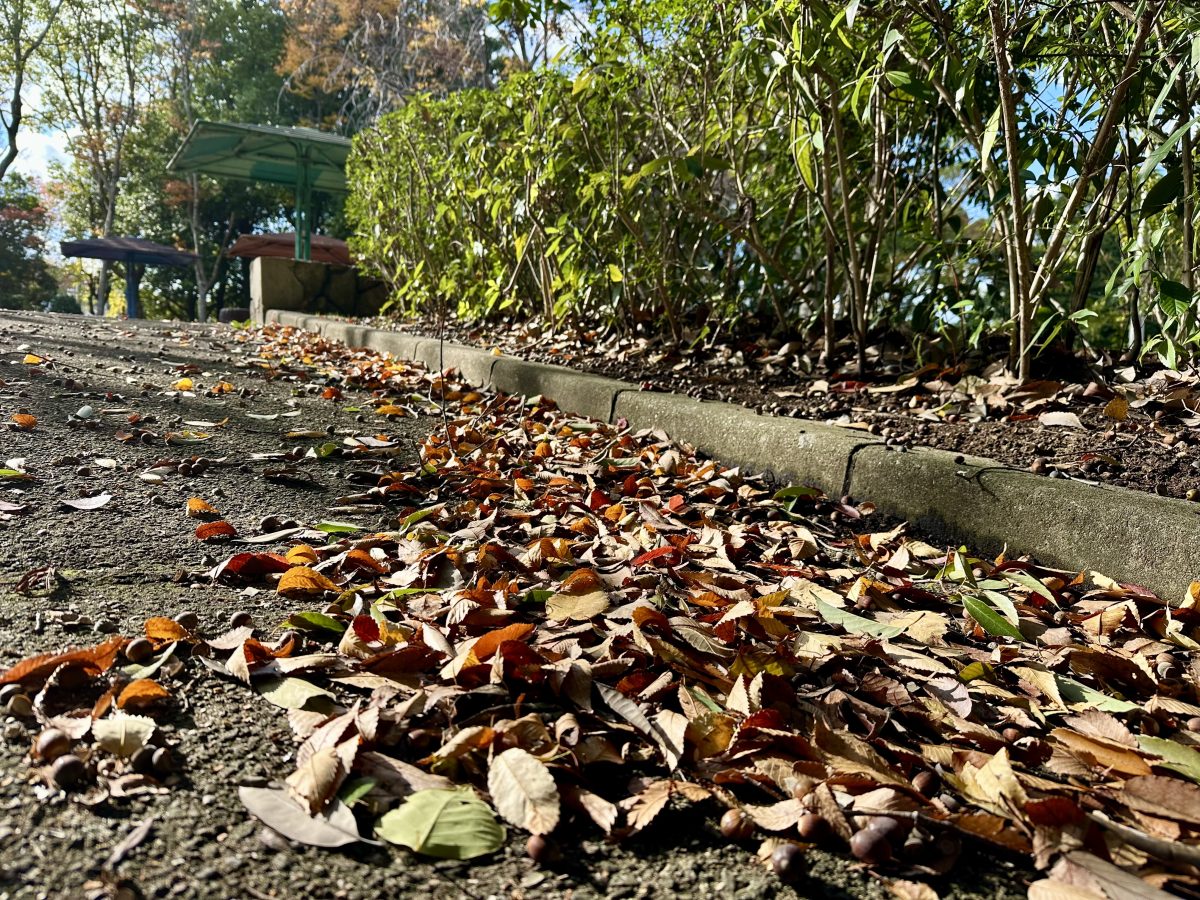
x=269, y=153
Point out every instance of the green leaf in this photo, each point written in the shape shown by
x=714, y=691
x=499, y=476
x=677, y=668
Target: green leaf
x=990, y=620
x=989, y=134
x=796, y=492
x=1160, y=153
x=294, y=693
x=313, y=621
x=355, y=789
x=452, y=824
x=1002, y=603
x=1076, y=694
x=1167, y=191
x=338, y=527
x=855, y=624
x=13, y=473
x=1175, y=756
x=1024, y=579
x=421, y=514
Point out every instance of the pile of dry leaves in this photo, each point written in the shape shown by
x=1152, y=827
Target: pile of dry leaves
x=570, y=626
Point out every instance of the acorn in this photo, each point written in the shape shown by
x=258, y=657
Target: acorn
x=163, y=762
x=68, y=771
x=19, y=705
x=142, y=760
x=1193, y=724
x=188, y=620
x=51, y=744
x=813, y=827
x=736, y=825
x=293, y=637
x=787, y=861
x=542, y=850
x=1012, y=735
x=139, y=650
x=241, y=619
x=926, y=782
x=871, y=845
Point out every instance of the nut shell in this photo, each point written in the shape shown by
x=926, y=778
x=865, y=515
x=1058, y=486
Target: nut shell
x=68, y=771
x=787, y=861
x=51, y=744
x=871, y=845
x=139, y=650
x=736, y=825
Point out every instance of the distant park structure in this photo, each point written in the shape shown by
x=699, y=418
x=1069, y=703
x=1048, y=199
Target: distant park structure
x=324, y=249
x=303, y=159
x=136, y=254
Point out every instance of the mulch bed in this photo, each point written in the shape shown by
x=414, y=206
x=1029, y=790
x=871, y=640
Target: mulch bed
x=1066, y=427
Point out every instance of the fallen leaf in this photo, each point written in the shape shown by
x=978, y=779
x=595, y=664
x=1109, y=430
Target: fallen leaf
x=1060, y=419
x=335, y=827
x=123, y=735
x=87, y=503
x=198, y=509
x=301, y=581
x=215, y=531
x=447, y=824
x=524, y=791
x=142, y=693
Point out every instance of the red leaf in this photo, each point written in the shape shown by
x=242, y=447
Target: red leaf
x=365, y=628
x=651, y=555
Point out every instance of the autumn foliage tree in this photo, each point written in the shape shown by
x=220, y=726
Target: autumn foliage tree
x=363, y=57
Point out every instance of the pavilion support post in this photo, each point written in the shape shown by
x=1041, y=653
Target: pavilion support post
x=133, y=280
x=303, y=209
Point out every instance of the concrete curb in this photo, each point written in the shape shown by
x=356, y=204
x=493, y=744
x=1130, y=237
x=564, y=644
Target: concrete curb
x=1127, y=535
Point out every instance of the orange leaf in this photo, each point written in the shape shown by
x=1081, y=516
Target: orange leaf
x=141, y=693
x=198, y=509
x=490, y=642
x=301, y=555
x=212, y=531
x=582, y=581
x=24, y=421
x=36, y=668
x=543, y=450
x=160, y=628
x=391, y=409
x=301, y=580
x=526, y=484
x=363, y=559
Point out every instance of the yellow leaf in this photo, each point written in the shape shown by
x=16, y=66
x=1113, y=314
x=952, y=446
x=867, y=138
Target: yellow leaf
x=1117, y=408
x=183, y=384
x=33, y=360
x=302, y=581
x=198, y=509
x=301, y=555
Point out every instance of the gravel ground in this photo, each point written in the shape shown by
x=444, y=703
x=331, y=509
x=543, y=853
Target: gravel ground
x=118, y=565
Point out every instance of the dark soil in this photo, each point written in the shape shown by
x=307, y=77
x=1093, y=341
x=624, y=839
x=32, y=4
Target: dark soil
x=118, y=565
x=1156, y=449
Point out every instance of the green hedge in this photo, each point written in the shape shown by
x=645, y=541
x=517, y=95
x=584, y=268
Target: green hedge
x=622, y=193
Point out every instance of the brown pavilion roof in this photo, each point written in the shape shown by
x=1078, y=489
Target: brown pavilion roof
x=127, y=249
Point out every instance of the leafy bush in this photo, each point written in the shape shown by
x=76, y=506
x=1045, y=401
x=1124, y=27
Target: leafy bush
x=816, y=165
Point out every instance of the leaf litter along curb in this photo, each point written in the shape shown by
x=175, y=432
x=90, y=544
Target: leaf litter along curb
x=576, y=626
